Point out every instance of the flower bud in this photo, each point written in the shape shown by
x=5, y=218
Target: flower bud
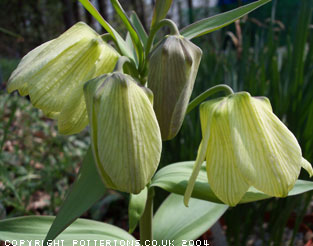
x=245, y=145
x=125, y=135
x=53, y=74
x=173, y=66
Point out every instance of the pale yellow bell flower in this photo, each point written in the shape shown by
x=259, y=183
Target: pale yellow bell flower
x=245, y=145
x=54, y=73
x=125, y=135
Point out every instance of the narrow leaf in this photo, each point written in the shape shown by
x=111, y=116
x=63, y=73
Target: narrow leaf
x=137, y=43
x=137, y=204
x=174, y=178
x=160, y=10
x=36, y=227
x=87, y=189
x=174, y=221
x=139, y=27
x=216, y=22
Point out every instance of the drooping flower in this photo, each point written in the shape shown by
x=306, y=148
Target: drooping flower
x=245, y=145
x=173, y=67
x=54, y=73
x=125, y=136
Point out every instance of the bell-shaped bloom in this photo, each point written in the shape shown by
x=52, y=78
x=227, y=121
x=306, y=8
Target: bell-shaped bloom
x=125, y=136
x=245, y=145
x=54, y=73
x=173, y=67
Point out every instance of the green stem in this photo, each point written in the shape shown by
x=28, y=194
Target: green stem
x=165, y=22
x=145, y=224
x=120, y=63
x=207, y=93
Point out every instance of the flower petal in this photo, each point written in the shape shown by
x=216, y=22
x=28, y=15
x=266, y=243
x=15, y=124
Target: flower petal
x=73, y=117
x=16, y=80
x=51, y=87
x=268, y=155
x=224, y=177
x=125, y=134
x=206, y=111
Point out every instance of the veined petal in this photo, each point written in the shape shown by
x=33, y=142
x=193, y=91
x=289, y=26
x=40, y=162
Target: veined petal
x=267, y=153
x=106, y=61
x=206, y=111
x=52, y=115
x=17, y=82
x=44, y=54
x=73, y=117
x=90, y=89
x=125, y=135
x=54, y=73
x=224, y=177
x=62, y=75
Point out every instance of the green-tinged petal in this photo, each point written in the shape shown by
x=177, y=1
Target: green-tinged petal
x=73, y=117
x=206, y=115
x=106, y=61
x=23, y=90
x=264, y=102
x=224, y=177
x=126, y=138
x=44, y=54
x=62, y=75
x=267, y=153
x=16, y=80
x=307, y=166
x=196, y=170
x=90, y=89
x=52, y=115
x=54, y=73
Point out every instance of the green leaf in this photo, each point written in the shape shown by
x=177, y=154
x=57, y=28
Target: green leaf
x=87, y=189
x=174, y=178
x=139, y=27
x=36, y=227
x=115, y=35
x=137, y=42
x=216, y=22
x=174, y=221
x=137, y=204
x=160, y=10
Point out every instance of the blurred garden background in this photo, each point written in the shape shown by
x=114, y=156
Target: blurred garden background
x=269, y=52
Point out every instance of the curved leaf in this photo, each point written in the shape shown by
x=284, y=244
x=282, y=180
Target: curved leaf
x=139, y=28
x=36, y=227
x=174, y=178
x=131, y=29
x=87, y=189
x=174, y=221
x=216, y=22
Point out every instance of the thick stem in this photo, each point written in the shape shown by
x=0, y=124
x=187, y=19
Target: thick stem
x=208, y=93
x=145, y=224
